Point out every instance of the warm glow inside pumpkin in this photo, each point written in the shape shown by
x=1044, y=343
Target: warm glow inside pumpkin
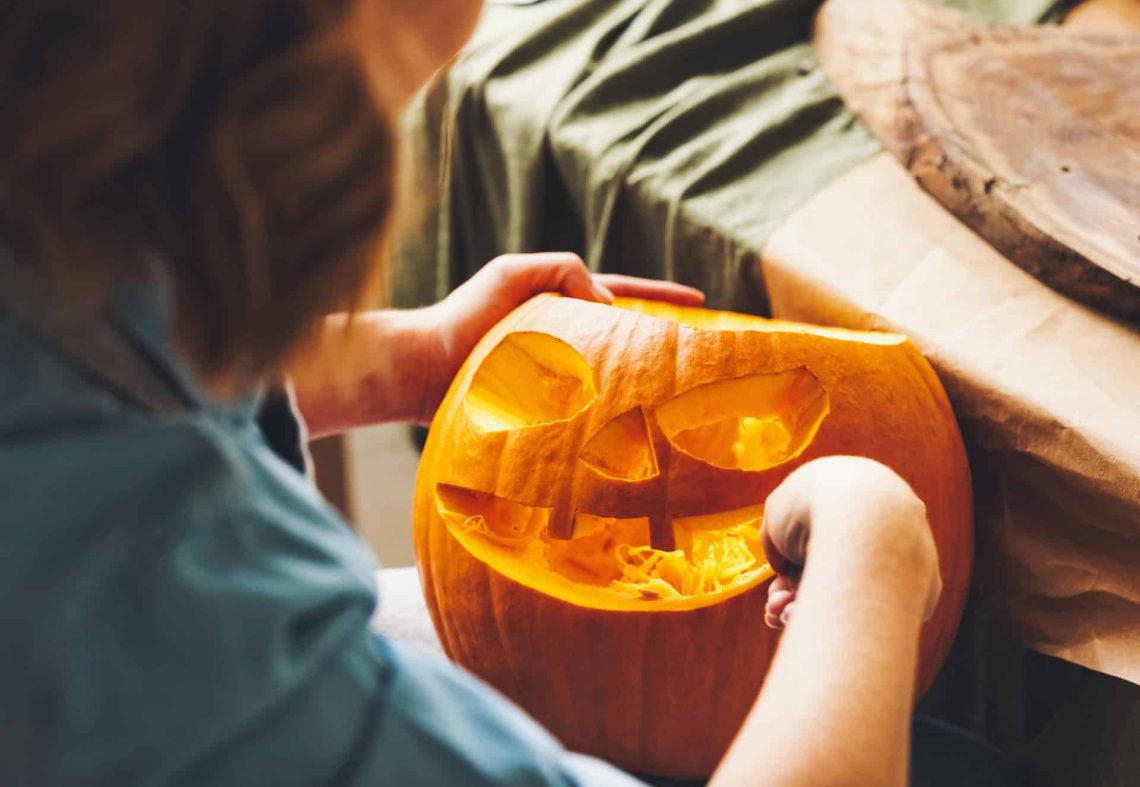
x=609, y=563
x=589, y=504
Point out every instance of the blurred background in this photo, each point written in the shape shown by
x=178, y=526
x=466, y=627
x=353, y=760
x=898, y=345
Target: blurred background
x=374, y=489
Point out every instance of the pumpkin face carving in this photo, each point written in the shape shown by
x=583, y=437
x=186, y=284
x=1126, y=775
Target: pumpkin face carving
x=588, y=507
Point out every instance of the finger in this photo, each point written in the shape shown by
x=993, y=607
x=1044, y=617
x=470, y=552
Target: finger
x=651, y=289
x=607, y=295
x=786, y=527
x=778, y=602
x=555, y=271
x=774, y=540
x=576, y=281
x=780, y=597
x=776, y=558
x=781, y=592
x=780, y=584
x=786, y=615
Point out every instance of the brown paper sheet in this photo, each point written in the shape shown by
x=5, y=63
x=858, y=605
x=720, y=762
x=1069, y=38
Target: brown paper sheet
x=1047, y=391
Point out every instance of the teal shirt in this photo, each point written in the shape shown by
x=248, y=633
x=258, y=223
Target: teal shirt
x=180, y=607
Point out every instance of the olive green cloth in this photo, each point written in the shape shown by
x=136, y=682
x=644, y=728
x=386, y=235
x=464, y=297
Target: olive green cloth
x=667, y=138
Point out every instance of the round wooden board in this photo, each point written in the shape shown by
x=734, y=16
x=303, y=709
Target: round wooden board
x=1030, y=136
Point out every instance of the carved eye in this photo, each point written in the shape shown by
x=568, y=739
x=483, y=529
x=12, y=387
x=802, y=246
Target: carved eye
x=747, y=423
x=622, y=448
x=529, y=379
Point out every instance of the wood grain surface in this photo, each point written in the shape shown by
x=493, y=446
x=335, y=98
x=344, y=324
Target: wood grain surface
x=1030, y=136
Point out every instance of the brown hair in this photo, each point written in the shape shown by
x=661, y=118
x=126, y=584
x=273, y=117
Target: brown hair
x=237, y=140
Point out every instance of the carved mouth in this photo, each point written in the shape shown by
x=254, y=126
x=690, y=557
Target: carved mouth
x=609, y=562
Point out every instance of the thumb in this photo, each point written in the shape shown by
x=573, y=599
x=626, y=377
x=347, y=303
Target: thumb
x=525, y=275
x=573, y=279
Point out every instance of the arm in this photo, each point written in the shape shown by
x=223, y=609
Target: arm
x=835, y=709
x=369, y=368
x=397, y=365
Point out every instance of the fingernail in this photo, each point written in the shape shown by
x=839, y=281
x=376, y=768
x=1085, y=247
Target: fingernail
x=603, y=293
x=786, y=615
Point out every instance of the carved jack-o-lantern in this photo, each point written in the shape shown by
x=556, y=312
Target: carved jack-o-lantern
x=588, y=506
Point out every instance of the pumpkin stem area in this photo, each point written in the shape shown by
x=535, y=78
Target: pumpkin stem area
x=608, y=557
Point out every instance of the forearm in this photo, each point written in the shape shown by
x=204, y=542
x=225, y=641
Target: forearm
x=837, y=702
x=375, y=368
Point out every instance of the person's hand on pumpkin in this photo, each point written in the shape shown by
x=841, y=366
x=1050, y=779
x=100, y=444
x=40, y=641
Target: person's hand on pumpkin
x=507, y=282
x=836, y=495
x=837, y=701
x=393, y=365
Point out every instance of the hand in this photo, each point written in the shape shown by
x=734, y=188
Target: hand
x=857, y=573
x=459, y=321
x=842, y=497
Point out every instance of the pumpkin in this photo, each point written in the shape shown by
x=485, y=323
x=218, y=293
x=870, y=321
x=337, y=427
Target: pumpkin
x=588, y=505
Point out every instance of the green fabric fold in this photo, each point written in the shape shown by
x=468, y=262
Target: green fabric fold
x=665, y=138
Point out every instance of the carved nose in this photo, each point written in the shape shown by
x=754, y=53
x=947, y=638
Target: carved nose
x=631, y=448
x=623, y=449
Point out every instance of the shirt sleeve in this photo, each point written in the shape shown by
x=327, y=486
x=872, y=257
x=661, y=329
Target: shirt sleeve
x=217, y=633
x=463, y=732
x=349, y=708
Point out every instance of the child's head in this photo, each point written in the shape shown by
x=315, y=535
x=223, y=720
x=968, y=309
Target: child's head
x=250, y=144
